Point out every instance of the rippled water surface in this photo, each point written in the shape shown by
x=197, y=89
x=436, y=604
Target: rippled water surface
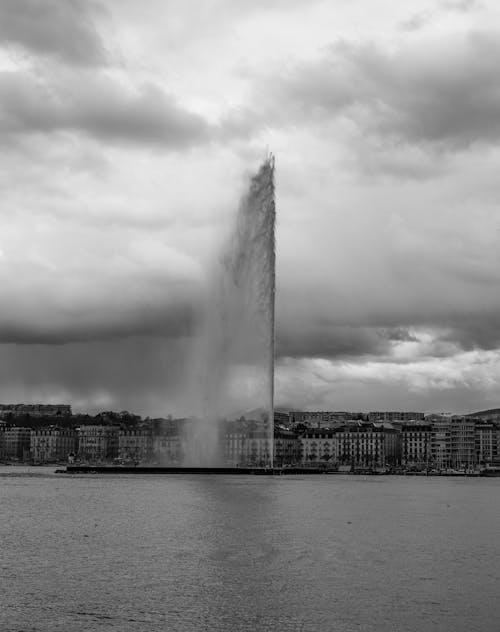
x=238, y=553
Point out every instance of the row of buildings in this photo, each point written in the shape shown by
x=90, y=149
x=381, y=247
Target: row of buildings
x=35, y=410
x=441, y=443
x=325, y=418
x=434, y=442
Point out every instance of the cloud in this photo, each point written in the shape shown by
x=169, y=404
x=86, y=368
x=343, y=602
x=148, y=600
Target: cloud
x=481, y=332
x=60, y=28
x=55, y=327
x=444, y=94
x=462, y=6
x=417, y=21
x=387, y=184
x=141, y=374
x=432, y=15
x=97, y=106
x=78, y=283
x=426, y=384
x=321, y=338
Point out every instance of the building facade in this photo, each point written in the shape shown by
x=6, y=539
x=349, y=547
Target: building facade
x=135, y=445
x=98, y=444
x=462, y=442
x=281, y=418
x=321, y=418
x=16, y=443
x=319, y=445
x=391, y=416
x=441, y=443
x=245, y=443
x=287, y=447
x=49, y=445
x=416, y=444
x=2, y=440
x=368, y=445
x=487, y=442
x=167, y=442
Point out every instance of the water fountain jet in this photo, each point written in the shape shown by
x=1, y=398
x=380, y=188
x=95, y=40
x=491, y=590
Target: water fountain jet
x=234, y=352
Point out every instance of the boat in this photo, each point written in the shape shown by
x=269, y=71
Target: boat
x=492, y=470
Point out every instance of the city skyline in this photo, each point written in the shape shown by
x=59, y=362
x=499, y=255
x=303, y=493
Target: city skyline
x=128, y=135
x=387, y=442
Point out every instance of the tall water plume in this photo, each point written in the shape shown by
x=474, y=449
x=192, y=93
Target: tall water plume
x=234, y=352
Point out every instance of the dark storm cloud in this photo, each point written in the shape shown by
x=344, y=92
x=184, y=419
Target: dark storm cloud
x=98, y=107
x=323, y=339
x=55, y=328
x=446, y=94
x=60, y=28
x=101, y=303
x=141, y=374
x=478, y=332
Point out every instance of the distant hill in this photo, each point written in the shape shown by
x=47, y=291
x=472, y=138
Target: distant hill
x=485, y=413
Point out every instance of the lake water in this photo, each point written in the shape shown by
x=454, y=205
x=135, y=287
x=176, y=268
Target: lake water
x=238, y=553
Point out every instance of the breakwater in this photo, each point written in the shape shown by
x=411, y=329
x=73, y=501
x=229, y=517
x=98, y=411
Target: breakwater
x=124, y=469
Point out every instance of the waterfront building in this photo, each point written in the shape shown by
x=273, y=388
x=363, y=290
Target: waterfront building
x=245, y=443
x=462, y=442
x=287, y=447
x=416, y=441
x=441, y=442
x=16, y=443
x=98, y=444
x=49, y=445
x=2, y=440
x=391, y=416
x=487, y=441
x=319, y=444
x=453, y=442
x=368, y=445
x=166, y=442
x=135, y=444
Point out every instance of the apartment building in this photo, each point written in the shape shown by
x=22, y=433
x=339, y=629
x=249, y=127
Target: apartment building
x=416, y=442
x=167, y=443
x=286, y=447
x=16, y=443
x=135, y=445
x=487, y=441
x=462, y=442
x=246, y=443
x=368, y=445
x=98, y=444
x=49, y=445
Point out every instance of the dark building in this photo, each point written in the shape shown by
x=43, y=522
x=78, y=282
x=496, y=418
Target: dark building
x=286, y=447
x=416, y=440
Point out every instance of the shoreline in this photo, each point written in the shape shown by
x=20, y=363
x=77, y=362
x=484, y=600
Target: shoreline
x=255, y=471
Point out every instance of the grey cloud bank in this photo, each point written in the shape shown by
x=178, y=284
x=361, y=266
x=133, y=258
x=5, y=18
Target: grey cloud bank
x=445, y=94
x=64, y=30
x=126, y=136
x=99, y=107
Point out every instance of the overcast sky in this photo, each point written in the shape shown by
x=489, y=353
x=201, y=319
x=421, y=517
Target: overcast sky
x=128, y=131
